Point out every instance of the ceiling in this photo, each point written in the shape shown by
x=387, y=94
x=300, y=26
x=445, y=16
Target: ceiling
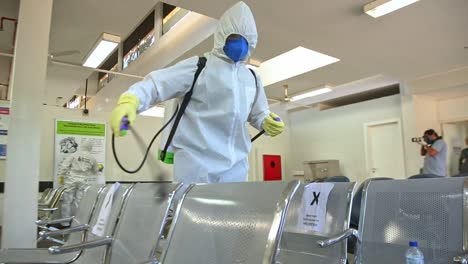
x=76, y=25
x=426, y=37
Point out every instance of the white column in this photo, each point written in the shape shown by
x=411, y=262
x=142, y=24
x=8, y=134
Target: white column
x=28, y=86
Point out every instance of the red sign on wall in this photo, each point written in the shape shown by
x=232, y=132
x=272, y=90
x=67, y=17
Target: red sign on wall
x=272, y=168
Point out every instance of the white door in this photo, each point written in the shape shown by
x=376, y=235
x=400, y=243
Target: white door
x=385, y=156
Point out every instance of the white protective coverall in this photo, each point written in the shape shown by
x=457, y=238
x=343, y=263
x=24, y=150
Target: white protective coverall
x=212, y=142
x=77, y=170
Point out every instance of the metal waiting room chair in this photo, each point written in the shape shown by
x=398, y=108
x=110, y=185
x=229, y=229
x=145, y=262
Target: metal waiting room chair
x=142, y=224
x=83, y=216
x=356, y=210
x=87, y=249
x=332, y=179
x=430, y=211
x=94, y=248
x=229, y=223
x=49, y=202
x=299, y=245
x=337, y=179
x=424, y=176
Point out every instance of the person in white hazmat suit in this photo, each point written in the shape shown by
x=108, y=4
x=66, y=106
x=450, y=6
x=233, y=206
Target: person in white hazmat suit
x=76, y=170
x=212, y=142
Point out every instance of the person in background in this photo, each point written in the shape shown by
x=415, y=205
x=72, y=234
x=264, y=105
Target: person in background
x=212, y=142
x=75, y=171
x=463, y=165
x=435, y=153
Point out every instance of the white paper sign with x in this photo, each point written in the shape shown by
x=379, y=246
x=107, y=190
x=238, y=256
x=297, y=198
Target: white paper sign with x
x=314, y=207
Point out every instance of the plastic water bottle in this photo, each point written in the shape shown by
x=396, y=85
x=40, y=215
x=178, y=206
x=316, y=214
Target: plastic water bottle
x=413, y=254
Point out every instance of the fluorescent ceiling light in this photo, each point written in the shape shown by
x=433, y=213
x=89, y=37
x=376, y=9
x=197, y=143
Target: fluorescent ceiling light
x=156, y=111
x=311, y=94
x=105, y=45
x=292, y=63
x=382, y=7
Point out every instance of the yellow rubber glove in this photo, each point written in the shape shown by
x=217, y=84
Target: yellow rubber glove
x=126, y=106
x=61, y=180
x=273, y=125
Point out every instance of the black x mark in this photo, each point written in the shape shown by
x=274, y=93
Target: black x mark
x=316, y=198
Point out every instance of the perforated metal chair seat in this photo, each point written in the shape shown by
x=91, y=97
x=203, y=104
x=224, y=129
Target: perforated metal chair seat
x=228, y=223
x=140, y=225
x=429, y=211
x=98, y=254
x=300, y=246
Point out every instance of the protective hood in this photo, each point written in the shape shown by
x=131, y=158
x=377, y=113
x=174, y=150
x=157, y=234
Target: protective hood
x=236, y=20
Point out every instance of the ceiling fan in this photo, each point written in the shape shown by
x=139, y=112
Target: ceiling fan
x=287, y=99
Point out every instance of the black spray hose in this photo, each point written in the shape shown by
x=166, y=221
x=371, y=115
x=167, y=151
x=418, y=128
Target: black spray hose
x=257, y=136
x=151, y=144
x=147, y=150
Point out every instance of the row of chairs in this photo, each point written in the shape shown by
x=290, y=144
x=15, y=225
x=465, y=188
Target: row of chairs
x=386, y=214
x=258, y=223
x=213, y=223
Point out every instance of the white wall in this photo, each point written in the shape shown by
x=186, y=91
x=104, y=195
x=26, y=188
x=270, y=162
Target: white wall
x=338, y=134
x=455, y=109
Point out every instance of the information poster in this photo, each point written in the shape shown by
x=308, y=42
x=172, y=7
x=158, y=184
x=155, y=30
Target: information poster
x=314, y=207
x=4, y=119
x=69, y=136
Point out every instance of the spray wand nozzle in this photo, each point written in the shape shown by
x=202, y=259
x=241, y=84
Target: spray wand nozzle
x=124, y=126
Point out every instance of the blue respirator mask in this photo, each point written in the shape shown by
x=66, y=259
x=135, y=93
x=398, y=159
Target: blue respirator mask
x=236, y=49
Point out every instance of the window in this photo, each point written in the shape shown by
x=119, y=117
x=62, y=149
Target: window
x=76, y=102
x=171, y=16
x=136, y=51
x=140, y=40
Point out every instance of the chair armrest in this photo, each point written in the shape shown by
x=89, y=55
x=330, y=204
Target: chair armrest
x=78, y=247
x=338, y=238
x=461, y=259
x=65, y=231
x=54, y=221
x=151, y=261
x=48, y=209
